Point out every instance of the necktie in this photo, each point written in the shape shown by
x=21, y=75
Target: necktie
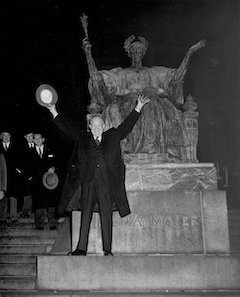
x=40, y=152
x=5, y=146
x=97, y=140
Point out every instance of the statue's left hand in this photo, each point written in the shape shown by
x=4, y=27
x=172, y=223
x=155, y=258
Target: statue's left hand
x=86, y=45
x=198, y=45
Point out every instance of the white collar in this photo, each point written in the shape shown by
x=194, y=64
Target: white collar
x=40, y=147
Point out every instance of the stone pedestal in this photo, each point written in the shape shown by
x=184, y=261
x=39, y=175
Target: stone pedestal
x=175, y=209
x=169, y=222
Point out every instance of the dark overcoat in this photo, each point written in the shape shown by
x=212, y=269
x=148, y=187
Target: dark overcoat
x=14, y=178
x=83, y=162
x=3, y=173
x=43, y=197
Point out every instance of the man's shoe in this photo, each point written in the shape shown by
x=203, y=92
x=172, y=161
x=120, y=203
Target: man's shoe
x=78, y=252
x=14, y=221
x=108, y=253
x=25, y=214
x=39, y=228
x=53, y=228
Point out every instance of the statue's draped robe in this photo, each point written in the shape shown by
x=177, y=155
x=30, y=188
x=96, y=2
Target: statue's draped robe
x=160, y=129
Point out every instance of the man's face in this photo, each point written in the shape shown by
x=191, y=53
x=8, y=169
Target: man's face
x=29, y=137
x=6, y=137
x=38, y=139
x=97, y=126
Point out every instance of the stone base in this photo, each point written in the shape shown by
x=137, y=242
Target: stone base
x=165, y=222
x=138, y=273
x=153, y=176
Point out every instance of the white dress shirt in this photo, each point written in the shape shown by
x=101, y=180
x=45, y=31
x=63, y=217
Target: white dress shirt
x=40, y=150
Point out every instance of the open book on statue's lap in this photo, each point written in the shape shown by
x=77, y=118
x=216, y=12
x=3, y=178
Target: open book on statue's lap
x=46, y=95
x=147, y=92
x=151, y=91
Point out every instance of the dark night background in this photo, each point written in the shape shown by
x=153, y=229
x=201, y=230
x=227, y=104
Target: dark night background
x=41, y=43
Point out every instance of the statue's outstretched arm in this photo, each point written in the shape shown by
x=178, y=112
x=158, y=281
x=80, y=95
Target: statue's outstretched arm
x=96, y=85
x=176, y=83
x=86, y=45
x=181, y=71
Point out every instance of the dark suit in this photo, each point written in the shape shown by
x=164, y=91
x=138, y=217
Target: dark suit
x=12, y=158
x=26, y=164
x=14, y=177
x=101, y=172
x=43, y=198
x=3, y=187
x=3, y=173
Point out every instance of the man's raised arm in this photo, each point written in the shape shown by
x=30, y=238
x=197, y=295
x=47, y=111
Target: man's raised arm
x=63, y=124
x=126, y=127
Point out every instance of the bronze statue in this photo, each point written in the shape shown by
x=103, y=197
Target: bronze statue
x=113, y=92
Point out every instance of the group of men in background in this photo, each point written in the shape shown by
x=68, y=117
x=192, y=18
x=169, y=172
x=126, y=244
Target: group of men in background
x=22, y=188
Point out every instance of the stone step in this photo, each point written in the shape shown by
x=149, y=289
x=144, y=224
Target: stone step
x=234, y=211
x=25, y=249
x=22, y=269
x=28, y=232
x=15, y=258
x=27, y=221
x=13, y=240
x=17, y=283
x=233, y=216
x=34, y=293
x=139, y=272
x=234, y=225
x=233, y=231
x=25, y=225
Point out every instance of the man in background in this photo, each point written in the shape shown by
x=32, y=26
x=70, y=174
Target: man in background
x=3, y=189
x=44, y=199
x=11, y=154
x=26, y=165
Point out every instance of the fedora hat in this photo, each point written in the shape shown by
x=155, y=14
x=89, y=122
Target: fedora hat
x=46, y=94
x=50, y=180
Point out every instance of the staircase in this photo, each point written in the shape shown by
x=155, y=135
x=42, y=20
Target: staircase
x=234, y=230
x=21, y=243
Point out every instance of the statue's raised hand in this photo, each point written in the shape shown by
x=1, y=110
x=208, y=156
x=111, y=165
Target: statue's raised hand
x=86, y=44
x=198, y=45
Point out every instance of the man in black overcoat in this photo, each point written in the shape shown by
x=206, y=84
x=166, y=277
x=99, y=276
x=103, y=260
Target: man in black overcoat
x=45, y=200
x=97, y=166
x=27, y=150
x=11, y=153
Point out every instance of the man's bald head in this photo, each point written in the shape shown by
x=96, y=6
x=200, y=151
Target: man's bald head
x=96, y=126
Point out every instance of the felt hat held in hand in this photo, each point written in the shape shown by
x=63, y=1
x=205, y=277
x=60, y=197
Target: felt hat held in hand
x=46, y=94
x=50, y=180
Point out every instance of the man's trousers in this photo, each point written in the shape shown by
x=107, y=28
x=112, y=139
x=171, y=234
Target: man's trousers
x=97, y=191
